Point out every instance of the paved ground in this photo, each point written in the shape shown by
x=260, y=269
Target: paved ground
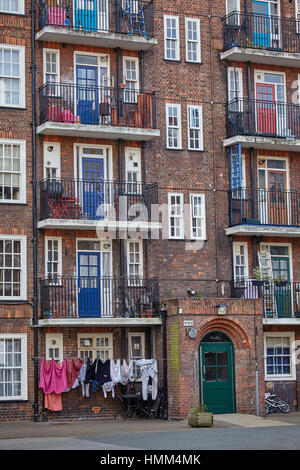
x=234, y=431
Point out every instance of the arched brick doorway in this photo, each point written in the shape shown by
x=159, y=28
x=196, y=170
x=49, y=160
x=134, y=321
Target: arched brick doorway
x=216, y=372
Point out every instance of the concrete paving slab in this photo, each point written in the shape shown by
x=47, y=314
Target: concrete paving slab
x=249, y=421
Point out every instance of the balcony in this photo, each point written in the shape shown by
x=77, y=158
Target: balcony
x=100, y=112
x=264, y=212
x=261, y=39
x=263, y=124
x=281, y=299
x=128, y=24
x=67, y=301
x=88, y=204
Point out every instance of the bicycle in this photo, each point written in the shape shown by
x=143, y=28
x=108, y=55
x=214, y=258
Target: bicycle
x=272, y=404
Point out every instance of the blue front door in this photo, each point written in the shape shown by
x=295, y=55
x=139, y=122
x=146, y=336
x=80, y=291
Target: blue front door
x=89, y=298
x=93, y=187
x=86, y=15
x=261, y=29
x=87, y=94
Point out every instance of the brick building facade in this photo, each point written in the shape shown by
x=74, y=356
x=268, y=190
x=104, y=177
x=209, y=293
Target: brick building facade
x=140, y=104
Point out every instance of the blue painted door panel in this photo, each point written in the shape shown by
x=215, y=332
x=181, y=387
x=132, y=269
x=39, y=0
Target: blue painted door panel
x=87, y=94
x=93, y=187
x=89, y=299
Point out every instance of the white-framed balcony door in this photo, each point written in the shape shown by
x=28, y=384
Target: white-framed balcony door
x=270, y=105
x=273, y=195
x=94, y=258
x=103, y=16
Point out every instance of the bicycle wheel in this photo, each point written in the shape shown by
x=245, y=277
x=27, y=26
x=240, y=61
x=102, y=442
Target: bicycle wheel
x=283, y=406
x=267, y=409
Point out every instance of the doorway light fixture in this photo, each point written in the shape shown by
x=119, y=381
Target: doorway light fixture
x=221, y=309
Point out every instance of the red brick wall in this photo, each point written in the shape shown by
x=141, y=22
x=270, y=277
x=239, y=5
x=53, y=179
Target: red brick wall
x=242, y=323
x=73, y=404
x=16, y=219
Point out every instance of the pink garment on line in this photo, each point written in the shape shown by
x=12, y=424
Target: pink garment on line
x=53, y=402
x=53, y=379
x=73, y=367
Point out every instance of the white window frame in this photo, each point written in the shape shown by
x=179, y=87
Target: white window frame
x=199, y=129
x=57, y=53
x=59, y=263
x=297, y=15
x=242, y=192
x=20, y=10
x=246, y=265
x=238, y=9
x=58, y=338
x=93, y=348
x=23, y=270
x=180, y=217
x=141, y=267
x=238, y=6
x=130, y=98
x=198, y=41
x=50, y=162
x=21, y=78
x=136, y=369
x=176, y=40
x=237, y=93
x=281, y=377
x=197, y=217
x=24, y=378
x=178, y=106
x=22, y=172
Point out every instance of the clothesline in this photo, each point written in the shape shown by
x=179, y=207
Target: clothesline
x=57, y=378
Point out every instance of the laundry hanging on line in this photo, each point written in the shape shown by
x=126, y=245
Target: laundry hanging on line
x=56, y=378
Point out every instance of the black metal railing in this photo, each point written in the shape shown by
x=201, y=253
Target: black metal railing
x=264, y=207
x=99, y=297
x=132, y=17
x=76, y=199
x=261, y=32
x=263, y=118
x=281, y=298
x=111, y=106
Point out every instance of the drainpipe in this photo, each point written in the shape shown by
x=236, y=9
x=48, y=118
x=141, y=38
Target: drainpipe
x=252, y=164
x=165, y=365
x=142, y=55
x=36, y=416
x=121, y=240
x=119, y=111
x=256, y=364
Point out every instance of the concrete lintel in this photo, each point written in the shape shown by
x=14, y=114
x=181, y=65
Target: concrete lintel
x=264, y=230
x=109, y=321
x=98, y=131
x=269, y=143
x=282, y=321
x=261, y=56
x=68, y=224
x=61, y=34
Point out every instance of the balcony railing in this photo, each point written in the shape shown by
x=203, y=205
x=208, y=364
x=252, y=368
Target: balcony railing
x=132, y=17
x=266, y=207
x=98, y=297
x=261, y=32
x=76, y=199
x=90, y=105
x=281, y=299
x=263, y=119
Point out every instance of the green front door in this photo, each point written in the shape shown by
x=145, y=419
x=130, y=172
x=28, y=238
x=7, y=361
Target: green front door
x=282, y=291
x=217, y=375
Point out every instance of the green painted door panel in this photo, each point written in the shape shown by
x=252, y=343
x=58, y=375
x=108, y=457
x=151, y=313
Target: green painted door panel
x=217, y=377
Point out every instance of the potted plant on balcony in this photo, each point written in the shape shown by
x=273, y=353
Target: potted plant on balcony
x=280, y=281
x=259, y=278
x=200, y=417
